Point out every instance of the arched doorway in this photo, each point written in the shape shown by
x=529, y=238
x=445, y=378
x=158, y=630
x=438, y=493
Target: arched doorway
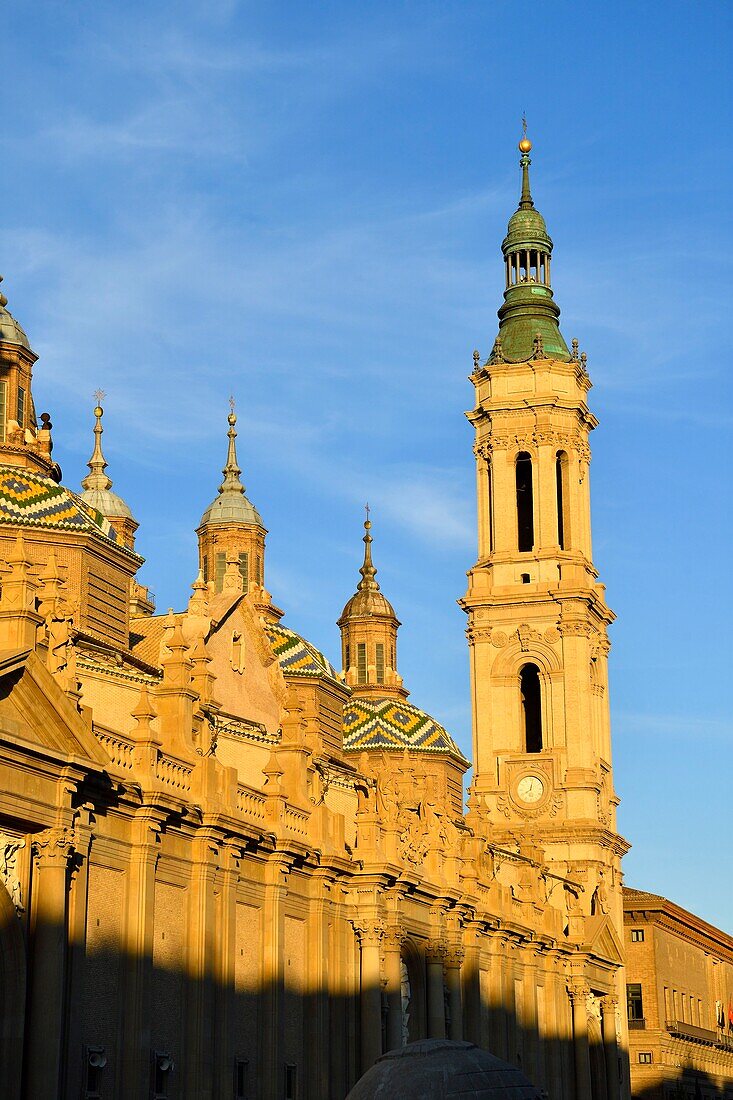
x=414, y=1012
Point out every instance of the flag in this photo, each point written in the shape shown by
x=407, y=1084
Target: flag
x=730, y=1015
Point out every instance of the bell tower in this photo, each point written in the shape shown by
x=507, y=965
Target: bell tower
x=537, y=614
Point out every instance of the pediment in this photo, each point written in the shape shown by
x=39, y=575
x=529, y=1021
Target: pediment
x=34, y=711
x=604, y=942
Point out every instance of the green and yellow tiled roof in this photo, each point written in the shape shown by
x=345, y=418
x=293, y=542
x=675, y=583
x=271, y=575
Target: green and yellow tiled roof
x=393, y=724
x=297, y=657
x=29, y=499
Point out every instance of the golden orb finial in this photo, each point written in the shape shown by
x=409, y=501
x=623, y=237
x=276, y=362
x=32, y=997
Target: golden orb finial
x=525, y=144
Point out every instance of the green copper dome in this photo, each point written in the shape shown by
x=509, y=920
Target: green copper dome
x=528, y=318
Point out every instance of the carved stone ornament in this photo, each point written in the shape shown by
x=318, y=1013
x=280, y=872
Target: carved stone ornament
x=9, y=848
x=499, y=639
x=497, y=354
x=576, y=629
x=527, y=635
x=53, y=846
x=369, y=933
x=552, y=635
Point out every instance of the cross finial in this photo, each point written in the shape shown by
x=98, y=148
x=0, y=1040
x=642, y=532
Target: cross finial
x=232, y=404
x=367, y=510
x=99, y=396
x=524, y=123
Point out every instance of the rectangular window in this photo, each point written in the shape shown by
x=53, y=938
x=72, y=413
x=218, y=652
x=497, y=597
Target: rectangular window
x=241, y=1083
x=3, y=408
x=206, y=570
x=221, y=564
x=21, y=407
x=244, y=571
x=637, y=935
x=380, y=663
x=645, y=1057
x=347, y=659
x=634, y=1003
x=361, y=665
x=258, y=570
x=291, y=1081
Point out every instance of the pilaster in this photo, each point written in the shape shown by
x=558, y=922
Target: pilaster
x=52, y=851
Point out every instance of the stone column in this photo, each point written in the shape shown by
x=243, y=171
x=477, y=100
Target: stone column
x=436, y=994
x=498, y=1006
x=471, y=988
x=370, y=939
x=198, y=1055
x=578, y=992
x=273, y=997
x=393, y=974
x=453, y=963
x=76, y=958
x=317, y=1031
x=138, y=957
x=532, y=1064
x=224, y=1040
x=610, y=1046
x=52, y=850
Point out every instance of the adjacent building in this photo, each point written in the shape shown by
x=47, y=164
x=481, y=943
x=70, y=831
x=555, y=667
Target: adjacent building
x=679, y=996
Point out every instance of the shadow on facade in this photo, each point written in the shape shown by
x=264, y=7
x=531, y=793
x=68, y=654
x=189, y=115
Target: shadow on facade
x=112, y=1024
x=685, y=1083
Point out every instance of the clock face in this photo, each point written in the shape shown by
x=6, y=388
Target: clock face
x=530, y=788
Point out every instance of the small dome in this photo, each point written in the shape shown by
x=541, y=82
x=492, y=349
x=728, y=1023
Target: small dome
x=526, y=226
x=10, y=331
x=368, y=601
x=231, y=506
x=440, y=1069
x=109, y=504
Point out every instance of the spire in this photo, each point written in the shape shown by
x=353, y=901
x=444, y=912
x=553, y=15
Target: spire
x=232, y=472
x=368, y=580
x=368, y=600
x=525, y=202
x=97, y=478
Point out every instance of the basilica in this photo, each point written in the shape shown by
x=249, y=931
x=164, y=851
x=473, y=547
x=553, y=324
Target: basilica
x=232, y=869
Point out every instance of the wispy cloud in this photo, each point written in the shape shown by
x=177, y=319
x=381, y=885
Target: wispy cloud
x=679, y=726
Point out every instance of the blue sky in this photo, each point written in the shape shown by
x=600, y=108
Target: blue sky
x=302, y=204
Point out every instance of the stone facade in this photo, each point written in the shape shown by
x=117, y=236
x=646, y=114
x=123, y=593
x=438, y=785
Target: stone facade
x=232, y=870
x=679, y=975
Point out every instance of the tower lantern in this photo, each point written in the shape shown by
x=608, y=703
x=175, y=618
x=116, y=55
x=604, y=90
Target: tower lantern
x=231, y=527
x=369, y=633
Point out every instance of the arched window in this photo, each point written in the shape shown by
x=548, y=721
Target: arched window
x=561, y=482
x=529, y=688
x=525, y=503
